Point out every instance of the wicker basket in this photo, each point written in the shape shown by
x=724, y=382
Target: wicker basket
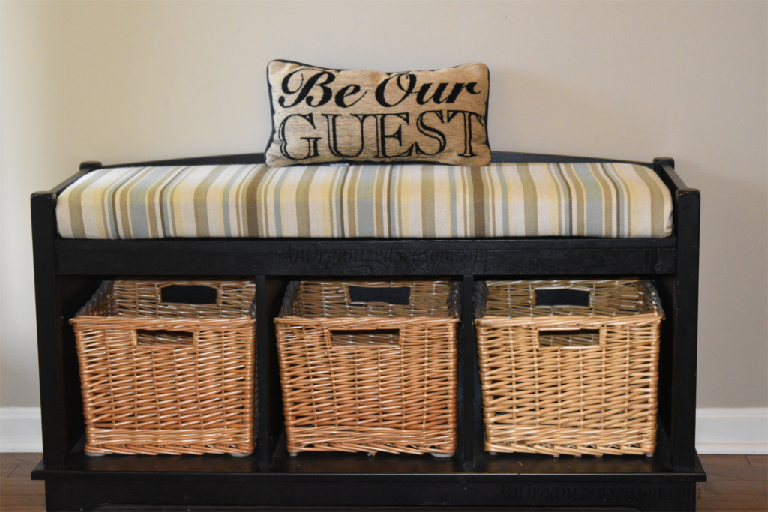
x=160, y=376
x=369, y=366
x=569, y=367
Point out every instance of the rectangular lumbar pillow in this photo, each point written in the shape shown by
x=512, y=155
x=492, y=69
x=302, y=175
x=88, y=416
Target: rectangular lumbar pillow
x=322, y=115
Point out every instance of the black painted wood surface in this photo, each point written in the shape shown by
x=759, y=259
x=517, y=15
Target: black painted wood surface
x=68, y=271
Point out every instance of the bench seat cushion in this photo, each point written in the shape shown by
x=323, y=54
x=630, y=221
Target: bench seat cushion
x=607, y=200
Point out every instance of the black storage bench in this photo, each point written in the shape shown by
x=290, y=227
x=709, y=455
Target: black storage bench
x=68, y=271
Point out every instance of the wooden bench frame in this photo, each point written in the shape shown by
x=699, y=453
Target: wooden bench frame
x=68, y=271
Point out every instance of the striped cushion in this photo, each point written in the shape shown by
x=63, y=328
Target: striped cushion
x=614, y=200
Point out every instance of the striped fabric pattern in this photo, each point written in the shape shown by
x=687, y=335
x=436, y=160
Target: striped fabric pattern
x=607, y=200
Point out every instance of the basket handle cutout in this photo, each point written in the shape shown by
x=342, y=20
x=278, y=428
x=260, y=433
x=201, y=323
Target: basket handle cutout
x=562, y=297
x=363, y=337
x=569, y=338
x=164, y=338
x=369, y=294
x=189, y=294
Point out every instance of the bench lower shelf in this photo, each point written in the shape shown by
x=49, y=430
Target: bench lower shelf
x=341, y=479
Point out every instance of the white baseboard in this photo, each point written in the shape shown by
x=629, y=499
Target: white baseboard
x=734, y=431
x=20, y=430
x=737, y=431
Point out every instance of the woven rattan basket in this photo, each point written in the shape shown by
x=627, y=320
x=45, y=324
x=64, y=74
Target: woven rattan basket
x=569, y=367
x=161, y=376
x=369, y=366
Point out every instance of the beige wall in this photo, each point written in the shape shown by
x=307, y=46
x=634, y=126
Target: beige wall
x=130, y=81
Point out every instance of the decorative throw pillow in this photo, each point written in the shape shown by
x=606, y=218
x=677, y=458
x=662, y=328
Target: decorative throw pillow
x=322, y=115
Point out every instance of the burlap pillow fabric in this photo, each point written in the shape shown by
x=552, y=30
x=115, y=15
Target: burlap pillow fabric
x=322, y=115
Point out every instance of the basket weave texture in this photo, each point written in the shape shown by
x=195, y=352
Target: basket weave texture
x=166, y=377
x=369, y=376
x=568, y=379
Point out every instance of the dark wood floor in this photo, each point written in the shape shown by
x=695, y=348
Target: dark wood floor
x=736, y=483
